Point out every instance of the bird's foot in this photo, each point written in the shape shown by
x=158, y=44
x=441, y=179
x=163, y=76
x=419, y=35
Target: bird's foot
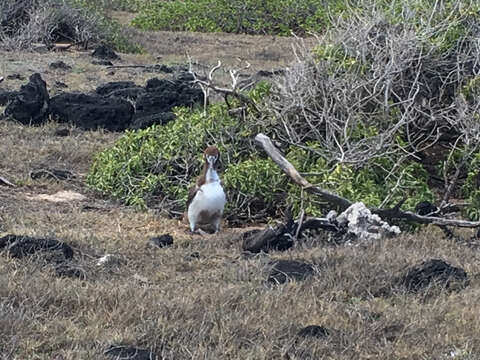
x=198, y=232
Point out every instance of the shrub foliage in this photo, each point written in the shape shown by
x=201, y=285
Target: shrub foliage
x=239, y=16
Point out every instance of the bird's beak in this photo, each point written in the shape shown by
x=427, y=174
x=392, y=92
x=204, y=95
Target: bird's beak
x=211, y=160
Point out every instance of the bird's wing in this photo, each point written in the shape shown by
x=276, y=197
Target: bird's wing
x=191, y=194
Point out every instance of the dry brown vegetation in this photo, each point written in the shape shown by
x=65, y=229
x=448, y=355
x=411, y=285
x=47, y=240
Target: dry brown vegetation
x=200, y=298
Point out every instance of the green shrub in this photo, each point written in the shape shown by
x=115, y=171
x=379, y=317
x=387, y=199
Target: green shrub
x=471, y=189
x=258, y=183
x=161, y=162
x=239, y=16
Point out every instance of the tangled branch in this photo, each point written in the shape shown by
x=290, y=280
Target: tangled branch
x=236, y=89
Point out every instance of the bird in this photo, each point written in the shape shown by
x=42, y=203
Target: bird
x=206, y=199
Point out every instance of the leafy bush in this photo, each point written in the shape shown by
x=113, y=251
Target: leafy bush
x=471, y=189
x=239, y=16
x=255, y=188
x=158, y=164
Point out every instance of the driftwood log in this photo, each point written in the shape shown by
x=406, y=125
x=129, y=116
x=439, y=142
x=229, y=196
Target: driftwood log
x=342, y=203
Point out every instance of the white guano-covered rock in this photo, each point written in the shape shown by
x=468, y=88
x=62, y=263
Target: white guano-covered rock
x=361, y=224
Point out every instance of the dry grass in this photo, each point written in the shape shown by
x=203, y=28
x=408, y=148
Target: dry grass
x=200, y=298
x=262, y=52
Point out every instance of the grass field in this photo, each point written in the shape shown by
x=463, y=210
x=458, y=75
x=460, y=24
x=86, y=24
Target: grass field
x=200, y=298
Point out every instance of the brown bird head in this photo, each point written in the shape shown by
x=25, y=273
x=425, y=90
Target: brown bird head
x=211, y=155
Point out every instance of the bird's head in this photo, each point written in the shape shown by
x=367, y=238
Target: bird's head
x=211, y=155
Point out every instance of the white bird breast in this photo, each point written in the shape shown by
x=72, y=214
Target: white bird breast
x=210, y=197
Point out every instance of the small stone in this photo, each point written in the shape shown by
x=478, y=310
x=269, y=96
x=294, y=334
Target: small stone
x=109, y=260
x=287, y=270
x=15, y=77
x=102, y=62
x=62, y=132
x=60, y=85
x=105, y=53
x=66, y=270
x=60, y=65
x=314, y=331
x=57, y=174
x=129, y=352
x=162, y=241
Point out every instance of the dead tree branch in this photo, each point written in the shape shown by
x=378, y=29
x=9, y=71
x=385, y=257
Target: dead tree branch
x=340, y=202
x=4, y=181
x=236, y=88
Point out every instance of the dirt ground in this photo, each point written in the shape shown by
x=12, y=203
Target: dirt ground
x=200, y=298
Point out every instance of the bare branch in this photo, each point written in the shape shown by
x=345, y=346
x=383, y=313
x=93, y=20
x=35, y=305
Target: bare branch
x=4, y=181
x=337, y=201
x=208, y=83
x=290, y=170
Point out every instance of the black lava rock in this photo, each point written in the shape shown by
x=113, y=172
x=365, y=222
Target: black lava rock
x=105, y=53
x=314, y=331
x=162, y=241
x=432, y=272
x=60, y=65
x=20, y=246
x=286, y=270
x=30, y=105
x=162, y=95
x=107, y=88
x=90, y=112
x=6, y=96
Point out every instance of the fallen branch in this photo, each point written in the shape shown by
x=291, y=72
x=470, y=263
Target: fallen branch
x=290, y=170
x=5, y=182
x=283, y=236
x=341, y=203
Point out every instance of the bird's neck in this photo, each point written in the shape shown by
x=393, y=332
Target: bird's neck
x=209, y=173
